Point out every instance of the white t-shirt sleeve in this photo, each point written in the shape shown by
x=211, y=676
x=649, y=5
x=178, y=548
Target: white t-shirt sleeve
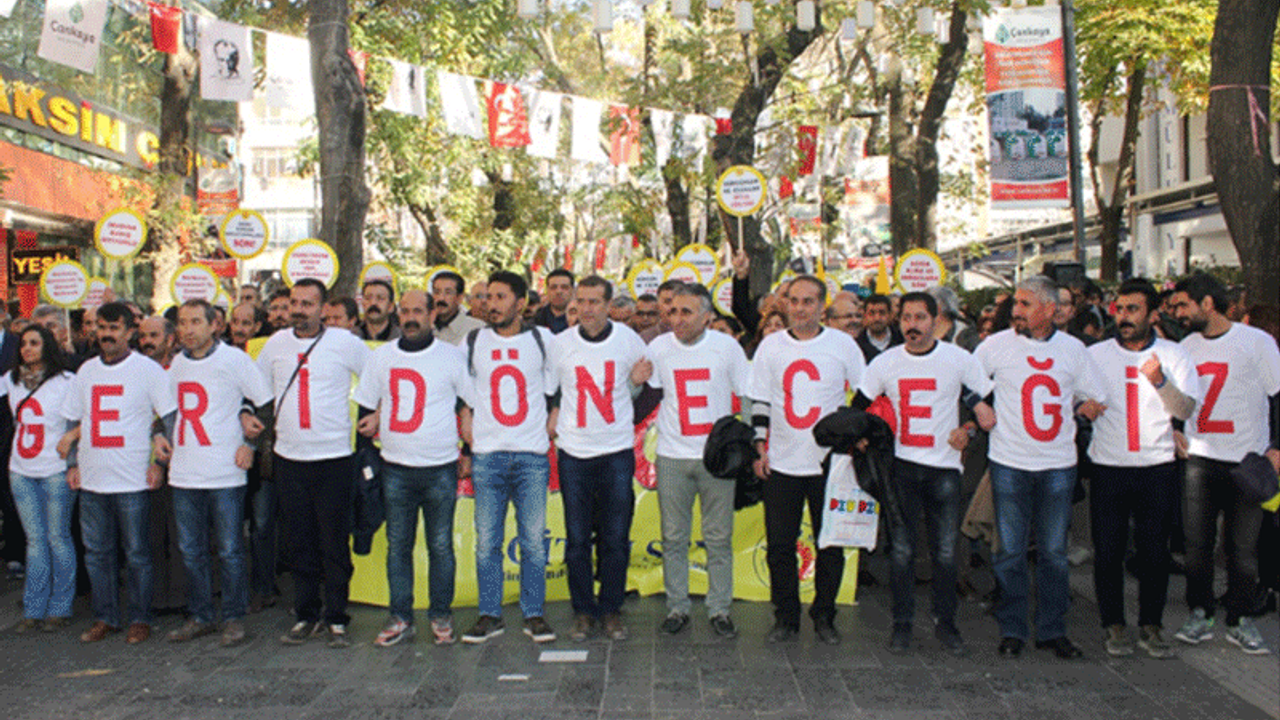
x=357, y=353
x=1268, y=354
x=973, y=376
x=160, y=391
x=73, y=404
x=872, y=383
x=652, y=353
x=253, y=384
x=368, y=388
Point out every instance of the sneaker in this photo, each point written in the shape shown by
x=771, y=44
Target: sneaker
x=338, y=636
x=232, y=633
x=722, y=625
x=583, y=626
x=394, y=633
x=1118, y=641
x=782, y=632
x=614, y=627
x=826, y=631
x=1151, y=639
x=190, y=630
x=1197, y=628
x=674, y=623
x=26, y=625
x=301, y=632
x=900, y=642
x=442, y=631
x=538, y=629
x=1246, y=636
x=949, y=636
x=486, y=627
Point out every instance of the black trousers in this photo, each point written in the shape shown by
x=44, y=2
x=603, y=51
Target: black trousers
x=785, y=497
x=1208, y=492
x=315, y=508
x=1146, y=495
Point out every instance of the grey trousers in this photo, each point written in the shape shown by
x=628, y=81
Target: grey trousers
x=679, y=481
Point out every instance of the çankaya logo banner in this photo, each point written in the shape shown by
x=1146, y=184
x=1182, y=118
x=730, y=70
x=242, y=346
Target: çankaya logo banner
x=72, y=33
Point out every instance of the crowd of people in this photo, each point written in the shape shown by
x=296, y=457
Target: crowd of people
x=139, y=424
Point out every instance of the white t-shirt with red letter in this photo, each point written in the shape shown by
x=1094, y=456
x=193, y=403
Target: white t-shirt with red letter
x=596, y=415
x=1239, y=370
x=38, y=426
x=1036, y=384
x=313, y=419
x=803, y=381
x=511, y=377
x=207, y=432
x=115, y=405
x=698, y=382
x=1136, y=430
x=416, y=395
x=925, y=392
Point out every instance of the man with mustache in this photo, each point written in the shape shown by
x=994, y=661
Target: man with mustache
x=878, y=330
x=379, y=321
x=1039, y=374
x=1239, y=370
x=451, y=325
x=309, y=370
x=1135, y=474
x=408, y=393
x=510, y=372
x=158, y=340
x=924, y=379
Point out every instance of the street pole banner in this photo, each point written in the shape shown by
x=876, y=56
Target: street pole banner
x=72, y=33
x=1026, y=107
x=288, y=82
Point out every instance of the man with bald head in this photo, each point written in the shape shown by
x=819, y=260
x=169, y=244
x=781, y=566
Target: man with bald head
x=843, y=314
x=247, y=319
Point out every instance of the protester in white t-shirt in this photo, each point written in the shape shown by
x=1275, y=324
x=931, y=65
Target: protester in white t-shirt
x=36, y=388
x=594, y=369
x=924, y=379
x=411, y=394
x=310, y=370
x=1039, y=373
x=1239, y=369
x=697, y=372
x=510, y=374
x=1152, y=382
x=797, y=377
x=114, y=398
x=211, y=381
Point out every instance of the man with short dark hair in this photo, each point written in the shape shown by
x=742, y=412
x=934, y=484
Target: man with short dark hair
x=646, y=314
x=559, y=293
x=666, y=296
x=621, y=308
x=342, y=313
x=379, y=322
x=278, y=310
x=451, y=324
x=158, y=340
x=843, y=315
x=879, y=333
x=249, y=293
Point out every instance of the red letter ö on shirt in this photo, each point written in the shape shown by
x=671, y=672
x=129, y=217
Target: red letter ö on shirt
x=99, y=414
x=30, y=437
x=799, y=422
x=403, y=375
x=192, y=412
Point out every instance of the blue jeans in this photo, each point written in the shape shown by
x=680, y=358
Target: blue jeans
x=1024, y=498
x=262, y=538
x=107, y=520
x=433, y=491
x=598, y=504
x=44, y=507
x=194, y=510
x=519, y=478
x=936, y=492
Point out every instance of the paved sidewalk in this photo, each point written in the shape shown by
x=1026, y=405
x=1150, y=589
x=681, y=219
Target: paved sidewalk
x=693, y=676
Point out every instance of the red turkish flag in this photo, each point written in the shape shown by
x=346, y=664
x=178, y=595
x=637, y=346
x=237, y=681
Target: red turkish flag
x=166, y=27
x=724, y=126
x=568, y=256
x=807, y=144
x=785, y=188
x=624, y=138
x=602, y=251
x=508, y=120
x=360, y=59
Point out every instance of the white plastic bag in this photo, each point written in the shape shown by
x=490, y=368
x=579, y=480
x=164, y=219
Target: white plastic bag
x=850, y=517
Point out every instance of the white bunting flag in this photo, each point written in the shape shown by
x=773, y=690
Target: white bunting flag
x=544, y=122
x=831, y=149
x=288, y=82
x=461, y=105
x=662, y=122
x=407, y=92
x=693, y=137
x=72, y=33
x=6, y=7
x=586, y=145
x=226, y=61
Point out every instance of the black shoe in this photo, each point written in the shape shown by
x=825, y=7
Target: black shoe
x=723, y=626
x=674, y=623
x=782, y=632
x=1010, y=647
x=1062, y=647
x=826, y=631
x=949, y=636
x=900, y=643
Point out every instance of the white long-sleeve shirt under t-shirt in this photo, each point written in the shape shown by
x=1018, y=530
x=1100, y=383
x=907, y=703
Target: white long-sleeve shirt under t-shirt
x=207, y=431
x=313, y=419
x=803, y=381
x=115, y=405
x=37, y=426
x=1137, y=430
x=1239, y=371
x=925, y=392
x=510, y=381
x=698, y=383
x=596, y=415
x=1036, y=384
x=416, y=395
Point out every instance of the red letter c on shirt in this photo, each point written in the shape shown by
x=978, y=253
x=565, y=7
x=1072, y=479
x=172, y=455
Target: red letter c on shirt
x=799, y=422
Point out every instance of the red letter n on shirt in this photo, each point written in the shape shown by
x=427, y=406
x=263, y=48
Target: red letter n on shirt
x=602, y=399
x=193, y=401
x=99, y=415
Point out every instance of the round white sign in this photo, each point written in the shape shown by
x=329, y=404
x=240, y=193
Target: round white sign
x=119, y=235
x=96, y=295
x=684, y=272
x=918, y=270
x=645, y=278
x=741, y=190
x=722, y=296
x=244, y=234
x=194, y=281
x=703, y=258
x=310, y=258
x=65, y=283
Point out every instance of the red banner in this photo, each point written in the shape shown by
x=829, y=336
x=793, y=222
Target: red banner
x=508, y=119
x=624, y=137
x=166, y=27
x=602, y=251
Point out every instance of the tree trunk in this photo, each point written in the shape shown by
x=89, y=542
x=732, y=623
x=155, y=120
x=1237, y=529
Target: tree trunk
x=1239, y=136
x=340, y=110
x=437, y=251
x=175, y=165
x=1111, y=213
x=950, y=60
x=678, y=208
x=903, y=190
